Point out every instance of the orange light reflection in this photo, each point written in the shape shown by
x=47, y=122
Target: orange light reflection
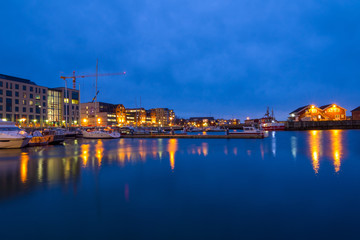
x=99, y=149
x=85, y=153
x=172, y=148
x=336, y=145
x=24, y=159
x=315, y=149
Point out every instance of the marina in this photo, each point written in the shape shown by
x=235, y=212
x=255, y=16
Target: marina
x=210, y=187
x=179, y=120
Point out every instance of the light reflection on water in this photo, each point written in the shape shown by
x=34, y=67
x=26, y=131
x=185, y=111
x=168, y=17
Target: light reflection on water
x=326, y=144
x=61, y=163
x=129, y=187
x=315, y=148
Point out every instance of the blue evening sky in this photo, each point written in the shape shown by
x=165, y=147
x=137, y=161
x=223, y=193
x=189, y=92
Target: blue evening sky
x=225, y=58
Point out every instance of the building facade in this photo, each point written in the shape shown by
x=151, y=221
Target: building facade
x=329, y=112
x=63, y=107
x=27, y=104
x=202, y=121
x=55, y=107
x=121, y=114
x=162, y=117
x=71, y=105
x=22, y=101
x=355, y=114
x=105, y=114
x=135, y=116
x=334, y=112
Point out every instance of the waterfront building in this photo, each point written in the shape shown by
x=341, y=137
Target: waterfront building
x=355, y=114
x=150, y=118
x=162, y=116
x=63, y=107
x=306, y=113
x=22, y=101
x=105, y=114
x=180, y=121
x=329, y=112
x=226, y=122
x=135, y=116
x=55, y=107
x=28, y=104
x=202, y=121
x=334, y=112
x=120, y=114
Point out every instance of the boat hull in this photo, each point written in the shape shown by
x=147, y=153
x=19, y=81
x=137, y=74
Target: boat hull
x=100, y=135
x=57, y=139
x=40, y=141
x=273, y=126
x=248, y=135
x=13, y=142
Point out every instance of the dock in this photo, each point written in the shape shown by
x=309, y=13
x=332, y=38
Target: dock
x=322, y=125
x=192, y=136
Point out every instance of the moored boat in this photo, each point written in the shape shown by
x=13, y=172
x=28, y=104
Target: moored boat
x=100, y=134
x=273, y=126
x=269, y=123
x=38, y=139
x=214, y=129
x=250, y=132
x=58, y=136
x=11, y=136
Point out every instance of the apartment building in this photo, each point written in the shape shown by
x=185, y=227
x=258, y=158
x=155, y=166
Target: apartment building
x=105, y=114
x=22, y=101
x=162, y=116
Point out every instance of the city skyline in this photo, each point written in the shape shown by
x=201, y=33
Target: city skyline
x=223, y=59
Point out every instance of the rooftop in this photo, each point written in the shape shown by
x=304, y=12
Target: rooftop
x=329, y=105
x=356, y=109
x=299, y=109
x=16, y=79
x=200, y=118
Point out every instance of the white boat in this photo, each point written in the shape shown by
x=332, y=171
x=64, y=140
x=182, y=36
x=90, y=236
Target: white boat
x=100, y=134
x=250, y=132
x=269, y=123
x=214, y=129
x=11, y=136
x=194, y=129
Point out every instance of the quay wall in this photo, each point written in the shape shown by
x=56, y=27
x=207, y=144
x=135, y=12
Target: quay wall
x=322, y=125
x=193, y=136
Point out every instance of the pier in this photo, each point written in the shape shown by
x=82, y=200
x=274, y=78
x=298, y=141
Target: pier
x=192, y=136
x=322, y=125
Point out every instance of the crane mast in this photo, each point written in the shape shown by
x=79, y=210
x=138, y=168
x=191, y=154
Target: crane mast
x=96, y=75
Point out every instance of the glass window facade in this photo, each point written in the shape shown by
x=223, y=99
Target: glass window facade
x=54, y=107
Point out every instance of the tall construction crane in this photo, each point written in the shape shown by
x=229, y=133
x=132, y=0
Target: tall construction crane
x=73, y=77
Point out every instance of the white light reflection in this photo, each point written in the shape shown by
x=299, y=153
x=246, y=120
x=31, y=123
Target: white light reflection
x=294, y=146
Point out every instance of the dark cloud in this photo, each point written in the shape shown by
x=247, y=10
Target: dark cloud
x=225, y=58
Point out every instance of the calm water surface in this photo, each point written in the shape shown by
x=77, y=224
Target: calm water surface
x=292, y=185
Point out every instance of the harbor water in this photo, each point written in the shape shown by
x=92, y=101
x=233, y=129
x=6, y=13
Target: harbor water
x=291, y=185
